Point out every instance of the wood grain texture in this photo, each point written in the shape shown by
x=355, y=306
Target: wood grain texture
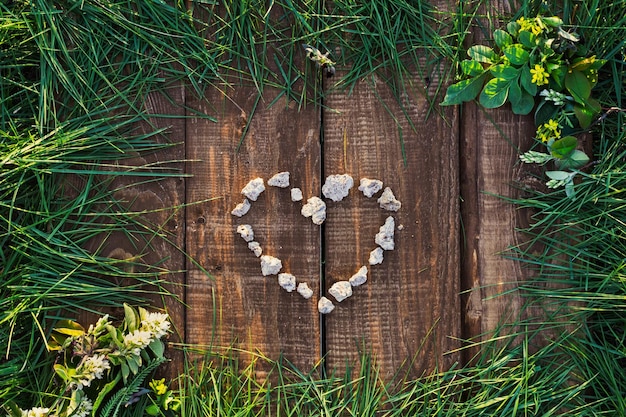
x=491, y=141
x=157, y=205
x=250, y=309
x=407, y=314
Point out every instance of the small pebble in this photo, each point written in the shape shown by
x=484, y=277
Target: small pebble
x=296, y=194
x=316, y=209
x=270, y=265
x=325, y=306
x=337, y=187
x=340, y=290
x=388, y=201
x=359, y=278
x=384, y=238
x=241, y=209
x=253, y=189
x=376, y=256
x=369, y=187
x=255, y=247
x=287, y=282
x=246, y=232
x=304, y=290
x=280, y=180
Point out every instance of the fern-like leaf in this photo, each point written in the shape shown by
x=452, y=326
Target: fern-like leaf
x=112, y=407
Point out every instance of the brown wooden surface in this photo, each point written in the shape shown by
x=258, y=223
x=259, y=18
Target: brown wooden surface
x=408, y=311
x=251, y=309
x=491, y=141
x=158, y=244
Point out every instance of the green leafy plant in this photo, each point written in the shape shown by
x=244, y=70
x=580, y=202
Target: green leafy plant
x=103, y=367
x=536, y=65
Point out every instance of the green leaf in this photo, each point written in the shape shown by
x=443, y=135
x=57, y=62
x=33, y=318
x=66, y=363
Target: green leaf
x=471, y=67
x=465, y=90
x=570, y=192
x=546, y=110
x=513, y=28
x=558, y=175
x=582, y=63
x=585, y=114
x=62, y=371
x=133, y=364
x=502, y=38
x=578, y=86
x=557, y=75
x=528, y=39
x=153, y=410
x=482, y=53
x=157, y=347
x=516, y=54
x=526, y=81
x=125, y=371
x=495, y=93
x=69, y=328
x=564, y=147
x=131, y=318
x=505, y=72
x=572, y=37
x=553, y=21
x=576, y=160
x=104, y=391
x=522, y=105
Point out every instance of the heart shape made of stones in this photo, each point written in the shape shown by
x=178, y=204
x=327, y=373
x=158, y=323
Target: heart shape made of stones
x=335, y=188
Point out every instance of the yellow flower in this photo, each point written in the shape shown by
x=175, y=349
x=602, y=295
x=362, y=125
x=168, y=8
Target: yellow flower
x=549, y=130
x=158, y=386
x=529, y=25
x=539, y=75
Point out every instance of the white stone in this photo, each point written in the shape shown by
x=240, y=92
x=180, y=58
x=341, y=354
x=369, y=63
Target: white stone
x=253, y=189
x=369, y=187
x=337, y=187
x=340, y=290
x=241, y=209
x=270, y=265
x=325, y=306
x=384, y=238
x=255, y=247
x=287, y=281
x=400, y=227
x=280, y=180
x=296, y=194
x=388, y=201
x=316, y=209
x=246, y=232
x=304, y=290
x=376, y=256
x=359, y=278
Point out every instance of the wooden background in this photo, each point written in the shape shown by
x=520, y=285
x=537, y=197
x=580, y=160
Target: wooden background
x=433, y=291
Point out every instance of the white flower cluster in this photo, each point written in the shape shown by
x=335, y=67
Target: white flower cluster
x=83, y=409
x=37, y=412
x=157, y=324
x=136, y=341
x=91, y=368
x=557, y=98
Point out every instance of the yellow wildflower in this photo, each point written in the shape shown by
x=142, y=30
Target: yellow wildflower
x=158, y=386
x=539, y=75
x=549, y=130
x=529, y=25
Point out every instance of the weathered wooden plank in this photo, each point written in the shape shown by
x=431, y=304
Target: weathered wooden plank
x=249, y=308
x=408, y=312
x=490, y=144
x=157, y=205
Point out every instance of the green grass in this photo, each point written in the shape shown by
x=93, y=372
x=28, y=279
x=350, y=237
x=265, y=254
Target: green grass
x=73, y=80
